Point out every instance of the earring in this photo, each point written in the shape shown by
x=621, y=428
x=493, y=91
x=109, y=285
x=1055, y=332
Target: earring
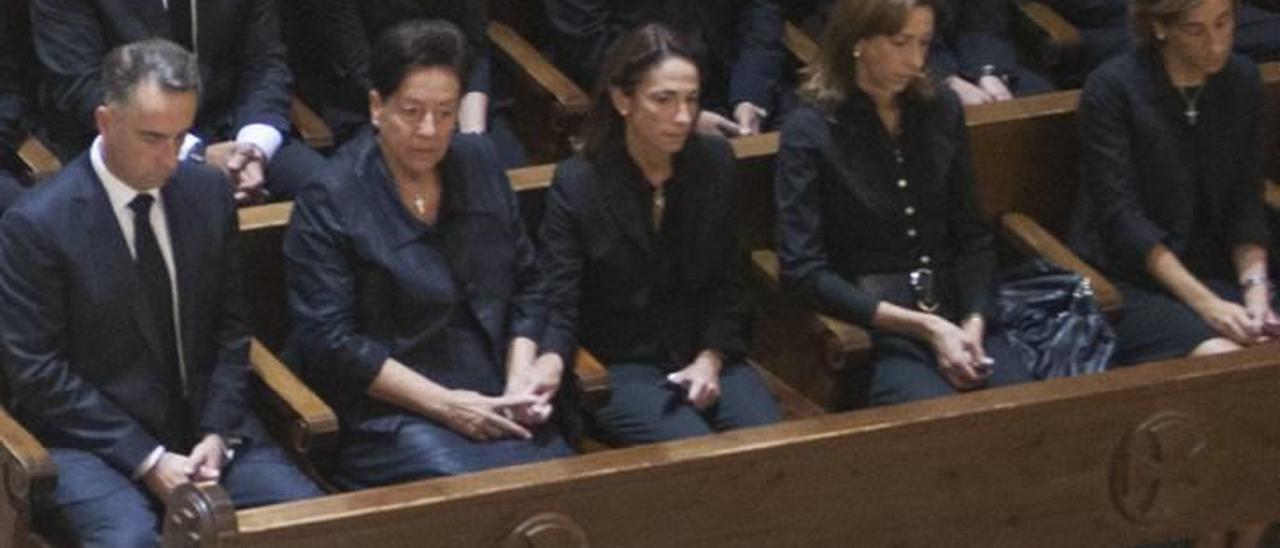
x=857, y=54
x=623, y=112
x=1159, y=36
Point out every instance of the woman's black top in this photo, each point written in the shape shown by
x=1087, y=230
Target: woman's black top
x=1149, y=176
x=847, y=207
x=633, y=292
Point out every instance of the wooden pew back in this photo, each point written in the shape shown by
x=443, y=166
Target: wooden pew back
x=1138, y=455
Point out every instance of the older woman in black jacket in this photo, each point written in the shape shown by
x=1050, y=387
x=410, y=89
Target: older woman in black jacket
x=641, y=255
x=411, y=277
x=877, y=223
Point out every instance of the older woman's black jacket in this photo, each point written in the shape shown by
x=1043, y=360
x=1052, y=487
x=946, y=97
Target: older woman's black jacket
x=846, y=208
x=627, y=294
x=368, y=282
x=1147, y=175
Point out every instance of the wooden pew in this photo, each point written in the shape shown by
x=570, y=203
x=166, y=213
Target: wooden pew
x=1025, y=157
x=39, y=161
x=1138, y=455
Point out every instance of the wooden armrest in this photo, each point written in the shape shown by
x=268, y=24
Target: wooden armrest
x=301, y=419
x=799, y=43
x=27, y=470
x=314, y=131
x=807, y=350
x=38, y=159
x=1029, y=237
x=568, y=96
x=593, y=379
x=551, y=106
x=845, y=338
x=1271, y=193
x=1053, y=39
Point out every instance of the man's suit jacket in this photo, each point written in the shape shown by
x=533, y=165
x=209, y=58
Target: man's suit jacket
x=621, y=292
x=242, y=62
x=79, y=345
x=738, y=42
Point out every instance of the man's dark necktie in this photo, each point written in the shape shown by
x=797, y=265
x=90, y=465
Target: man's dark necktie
x=159, y=294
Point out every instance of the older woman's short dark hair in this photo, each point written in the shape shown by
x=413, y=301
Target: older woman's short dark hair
x=416, y=44
x=160, y=61
x=1143, y=15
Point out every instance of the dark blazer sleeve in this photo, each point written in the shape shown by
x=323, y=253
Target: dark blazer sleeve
x=264, y=82
x=70, y=44
x=1108, y=176
x=561, y=261
x=729, y=321
x=1248, y=214
x=760, y=55
x=585, y=30
x=227, y=396
x=526, y=308
x=802, y=247
x=971, y=235
x=321, y=274
x=33, y=287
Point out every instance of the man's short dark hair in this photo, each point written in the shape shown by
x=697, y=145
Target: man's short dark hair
x=417, y=43
x=161, y=61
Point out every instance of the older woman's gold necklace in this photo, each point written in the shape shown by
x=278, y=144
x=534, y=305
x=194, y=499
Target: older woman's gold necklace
x=1191, y=99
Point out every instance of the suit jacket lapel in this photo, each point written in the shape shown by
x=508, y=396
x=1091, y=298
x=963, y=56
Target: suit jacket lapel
x=613, y=180
x=111, y=251
x=181, y=235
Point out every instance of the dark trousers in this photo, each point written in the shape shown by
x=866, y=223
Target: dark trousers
x=401, y=447
x=293, y=166
x=905, y=370
x=643, y=408
x=98, y=506
x=10, y=189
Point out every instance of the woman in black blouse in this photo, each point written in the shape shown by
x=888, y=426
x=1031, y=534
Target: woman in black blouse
x=1170, y=203
x=641, y=259
x=411, y=278
x=876, y=215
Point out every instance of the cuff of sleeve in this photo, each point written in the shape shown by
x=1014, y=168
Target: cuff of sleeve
x=565, y=346
x=149, y=462
x=189, y=142
x=1142, y=237
x=265, y=137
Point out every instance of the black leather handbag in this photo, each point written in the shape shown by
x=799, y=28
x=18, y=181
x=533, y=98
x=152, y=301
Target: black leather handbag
x=1049, y=316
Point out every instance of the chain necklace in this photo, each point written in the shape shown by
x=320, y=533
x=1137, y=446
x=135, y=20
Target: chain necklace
x=1190, y=99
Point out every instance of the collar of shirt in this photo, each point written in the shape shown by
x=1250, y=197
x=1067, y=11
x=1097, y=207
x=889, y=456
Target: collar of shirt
x=120, y=194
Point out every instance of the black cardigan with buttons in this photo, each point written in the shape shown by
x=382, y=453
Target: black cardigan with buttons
x=848, y=207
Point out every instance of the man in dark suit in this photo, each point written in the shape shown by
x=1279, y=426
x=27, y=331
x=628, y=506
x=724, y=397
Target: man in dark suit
x=15, y=86
x=124, y=345
x=738, y=44
x=243, y=123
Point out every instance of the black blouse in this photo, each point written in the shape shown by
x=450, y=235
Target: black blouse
x=1149, y=176
x=848, y=207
